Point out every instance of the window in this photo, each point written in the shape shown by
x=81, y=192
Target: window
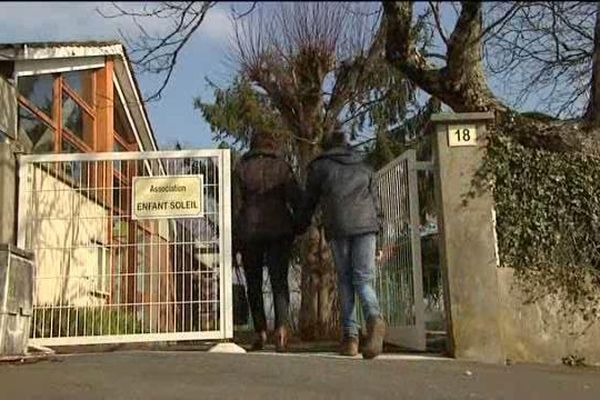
x=38, y=91
x=44, y=98
x=80, y=82
x=77, y=121
x=119, y=165
x=118, y=147
x=40, y=135
x=77, y=171
x=121, y=122
x=121, y=195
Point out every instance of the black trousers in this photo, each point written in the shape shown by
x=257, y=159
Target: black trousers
x=276, y=255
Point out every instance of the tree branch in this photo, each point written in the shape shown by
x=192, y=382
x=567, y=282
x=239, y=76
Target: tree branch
x=400, y=47
x=592, y=113
x=502, y=20
x=436, y=15
x=245, y=13
x=159, y=53
x=350, y=74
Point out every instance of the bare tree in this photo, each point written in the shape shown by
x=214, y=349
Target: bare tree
x=546, y=50
x=316, y=65
x=541, y=50
x=460, y=82
x=159, y=52
x=593, y=108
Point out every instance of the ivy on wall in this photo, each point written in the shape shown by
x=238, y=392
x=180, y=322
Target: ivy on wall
x=547, y=210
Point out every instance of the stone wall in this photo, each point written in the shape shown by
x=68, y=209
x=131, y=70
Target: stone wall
x=546, y=330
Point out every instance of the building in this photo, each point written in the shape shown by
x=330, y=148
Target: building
x=83, y=98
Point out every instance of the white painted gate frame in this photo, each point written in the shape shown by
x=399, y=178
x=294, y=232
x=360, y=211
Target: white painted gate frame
x=225, y=254
x=410, y=336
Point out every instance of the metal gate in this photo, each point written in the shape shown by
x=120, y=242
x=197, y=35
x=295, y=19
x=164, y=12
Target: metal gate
x=399, y=281
x=105, y=276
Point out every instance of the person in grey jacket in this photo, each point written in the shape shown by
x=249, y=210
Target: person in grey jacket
x=344, y=186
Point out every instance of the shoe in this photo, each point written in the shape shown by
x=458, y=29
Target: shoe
x=349, y=346
x=375, y=335
x=281, y=339
x=259, y=341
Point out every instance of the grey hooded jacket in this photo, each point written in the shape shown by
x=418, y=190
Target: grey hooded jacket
x=345, y=188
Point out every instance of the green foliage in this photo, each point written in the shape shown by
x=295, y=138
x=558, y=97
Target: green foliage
x=539, y=116
x=411, y=133
x=548, y=212
x=384, y=150
x=92, y=321
x=240, y=111
x=384, y=99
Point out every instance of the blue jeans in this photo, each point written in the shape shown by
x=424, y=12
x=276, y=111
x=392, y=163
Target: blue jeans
x=355, y=263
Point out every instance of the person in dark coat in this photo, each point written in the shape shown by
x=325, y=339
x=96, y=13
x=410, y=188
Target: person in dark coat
x=266, y=201
x=345, y=188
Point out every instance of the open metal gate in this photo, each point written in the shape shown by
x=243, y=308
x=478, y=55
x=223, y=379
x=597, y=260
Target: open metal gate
x=399, y=280
x=111, y=267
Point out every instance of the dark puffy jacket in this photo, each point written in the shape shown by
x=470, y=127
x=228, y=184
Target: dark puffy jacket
x=345, y=187
x=266, y=198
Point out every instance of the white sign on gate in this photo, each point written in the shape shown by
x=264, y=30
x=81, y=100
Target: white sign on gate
x=178, y=196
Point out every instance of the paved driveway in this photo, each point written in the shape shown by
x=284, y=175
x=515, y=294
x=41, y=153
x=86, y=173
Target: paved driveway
x=199, y=375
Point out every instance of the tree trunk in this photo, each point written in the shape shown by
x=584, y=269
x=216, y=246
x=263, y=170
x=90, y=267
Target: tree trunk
x=319, y=311
x=319, y=316
x=461, y=83
x=592, y=114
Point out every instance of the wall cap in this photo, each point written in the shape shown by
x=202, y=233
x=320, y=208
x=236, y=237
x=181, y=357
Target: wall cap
x=462, y=117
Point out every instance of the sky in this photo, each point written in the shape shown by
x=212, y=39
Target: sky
x=173, y=118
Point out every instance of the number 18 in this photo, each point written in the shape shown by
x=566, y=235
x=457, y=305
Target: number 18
x=464, y=135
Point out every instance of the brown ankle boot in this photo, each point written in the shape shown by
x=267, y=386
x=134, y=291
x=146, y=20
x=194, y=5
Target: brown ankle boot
x=375, y=335
x=349, y=346
x=281, y=339
x=259, y=341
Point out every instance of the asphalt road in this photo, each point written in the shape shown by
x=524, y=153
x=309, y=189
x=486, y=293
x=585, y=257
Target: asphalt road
x=199, y=375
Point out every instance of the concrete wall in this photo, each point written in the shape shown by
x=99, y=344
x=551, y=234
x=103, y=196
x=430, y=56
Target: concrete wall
x=539, y=331
x=8, y=127
x=8, y=108
x=8, y=165
x=64, y=276
x=490, y=316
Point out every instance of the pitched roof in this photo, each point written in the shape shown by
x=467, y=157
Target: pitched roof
x=87, y=43
x=92, y=47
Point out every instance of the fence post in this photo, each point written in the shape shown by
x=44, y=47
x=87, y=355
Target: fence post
x=467, y=242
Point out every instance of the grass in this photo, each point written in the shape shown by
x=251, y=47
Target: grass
x=90, y=321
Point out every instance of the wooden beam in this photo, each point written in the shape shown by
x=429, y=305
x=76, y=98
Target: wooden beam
x=104, y=106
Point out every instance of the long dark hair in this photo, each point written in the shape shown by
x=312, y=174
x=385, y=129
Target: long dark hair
x=266, y=141
x=337, y=138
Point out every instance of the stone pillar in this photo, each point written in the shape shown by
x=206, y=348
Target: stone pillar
x=468, y=250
